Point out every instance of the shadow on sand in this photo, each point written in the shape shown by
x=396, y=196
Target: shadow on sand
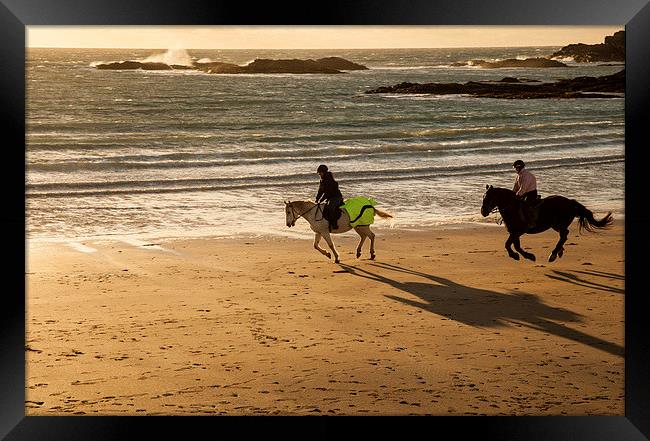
x=483, y=308
x=581, y=281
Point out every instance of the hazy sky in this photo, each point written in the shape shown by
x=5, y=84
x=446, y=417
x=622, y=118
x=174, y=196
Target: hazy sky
x=312, y=37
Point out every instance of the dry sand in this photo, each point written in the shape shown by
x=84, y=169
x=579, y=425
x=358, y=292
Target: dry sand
x=443, y=322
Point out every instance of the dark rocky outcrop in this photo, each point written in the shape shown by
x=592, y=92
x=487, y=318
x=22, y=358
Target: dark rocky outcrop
x=580, y=87
x=517, y=80
x=613, y=49
x=131, y=65
x=340, y=64
x=331, y=65
x=217, y=67
x=512, y=62
x=289, y=66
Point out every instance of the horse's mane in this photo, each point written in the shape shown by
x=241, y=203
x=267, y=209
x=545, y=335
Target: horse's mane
x=503, y=190
x=303, y=204
x=504, y=193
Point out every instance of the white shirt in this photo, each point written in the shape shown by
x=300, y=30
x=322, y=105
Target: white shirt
x=524, y=182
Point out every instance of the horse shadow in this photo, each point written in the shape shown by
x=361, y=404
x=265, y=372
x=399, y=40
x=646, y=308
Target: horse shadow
x=484, y=308
x=575, y=279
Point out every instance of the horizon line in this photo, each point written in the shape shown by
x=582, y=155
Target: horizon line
x=285, y=48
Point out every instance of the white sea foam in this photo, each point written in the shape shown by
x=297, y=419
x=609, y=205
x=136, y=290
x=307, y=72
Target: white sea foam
x=138, y=243
x=81, y=247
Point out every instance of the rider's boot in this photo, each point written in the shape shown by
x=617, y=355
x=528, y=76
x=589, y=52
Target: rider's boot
x=531, y=214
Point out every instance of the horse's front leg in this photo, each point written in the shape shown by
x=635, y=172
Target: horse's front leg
x=559, y=248
x=328, y=239
x=322, y=251
x=527, y=255
x=511, y=253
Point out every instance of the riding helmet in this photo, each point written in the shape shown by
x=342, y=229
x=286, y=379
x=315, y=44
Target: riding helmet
x=519, y=163
x=321, y=168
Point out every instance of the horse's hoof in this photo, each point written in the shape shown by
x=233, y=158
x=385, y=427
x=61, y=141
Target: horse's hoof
x=358, y=254
x=329, y=256
x=552, y=257
x=372, y=257
x=337, y=261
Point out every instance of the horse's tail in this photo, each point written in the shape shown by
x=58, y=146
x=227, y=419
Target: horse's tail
x=382, y=213
x=586, y=220
x=366, y=207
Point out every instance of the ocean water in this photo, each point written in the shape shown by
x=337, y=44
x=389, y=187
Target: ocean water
x=176, y=154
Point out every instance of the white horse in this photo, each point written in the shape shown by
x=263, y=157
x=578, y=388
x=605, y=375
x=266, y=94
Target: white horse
x=313, y=213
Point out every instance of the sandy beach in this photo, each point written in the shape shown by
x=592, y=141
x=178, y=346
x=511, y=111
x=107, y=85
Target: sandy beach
x=443, y=322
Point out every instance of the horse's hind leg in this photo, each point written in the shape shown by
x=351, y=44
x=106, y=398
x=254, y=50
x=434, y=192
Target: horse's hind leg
x=527, y=255
x=322, y=251
x=362, y=238
x=372, y=244
x=511, y=253
x=558, y=251
x=365, y=231
x=328, y=239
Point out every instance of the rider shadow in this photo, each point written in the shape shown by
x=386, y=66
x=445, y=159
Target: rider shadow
x=602, y=274
x=577, y=280
x=483, y=308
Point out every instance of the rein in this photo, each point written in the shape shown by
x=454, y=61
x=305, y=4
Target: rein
x=293, y=212
x=505, y=206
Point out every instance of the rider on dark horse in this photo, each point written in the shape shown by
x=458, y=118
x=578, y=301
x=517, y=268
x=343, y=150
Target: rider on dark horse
x=328, y=190
x=526, y=189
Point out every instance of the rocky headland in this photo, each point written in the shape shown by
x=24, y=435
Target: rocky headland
x=613, y=49
x=608, y=86
x=329, y=65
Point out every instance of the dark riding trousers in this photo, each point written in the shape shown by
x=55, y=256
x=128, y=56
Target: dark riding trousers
x=529, y=197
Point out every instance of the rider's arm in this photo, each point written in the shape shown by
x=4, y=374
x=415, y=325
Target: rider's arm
x=516, y=187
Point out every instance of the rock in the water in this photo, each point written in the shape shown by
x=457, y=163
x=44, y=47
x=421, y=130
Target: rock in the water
x=330, y=65
x=218, y=67
x=261, y=65
x=512, y=62
x=340, y=64
x=132, y=65
x=609, y=86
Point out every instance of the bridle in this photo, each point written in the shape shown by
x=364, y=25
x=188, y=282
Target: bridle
x=495, y=208
x=293, y=212
x=505, y=207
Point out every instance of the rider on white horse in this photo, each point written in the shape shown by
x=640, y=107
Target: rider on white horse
x=328, y=190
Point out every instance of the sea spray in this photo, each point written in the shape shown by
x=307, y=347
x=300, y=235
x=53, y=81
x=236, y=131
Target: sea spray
x=178, y=57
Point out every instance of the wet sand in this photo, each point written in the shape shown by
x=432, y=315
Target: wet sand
x=443, y=322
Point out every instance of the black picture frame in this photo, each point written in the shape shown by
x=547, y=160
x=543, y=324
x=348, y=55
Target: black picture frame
x=16, y=15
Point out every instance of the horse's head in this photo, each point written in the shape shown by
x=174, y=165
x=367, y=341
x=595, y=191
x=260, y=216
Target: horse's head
x=489, y=201
x=291, y=213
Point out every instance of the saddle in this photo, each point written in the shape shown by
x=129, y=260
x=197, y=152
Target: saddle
x=332, y=214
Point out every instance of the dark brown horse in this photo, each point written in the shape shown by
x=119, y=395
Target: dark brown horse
x=555, y=212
